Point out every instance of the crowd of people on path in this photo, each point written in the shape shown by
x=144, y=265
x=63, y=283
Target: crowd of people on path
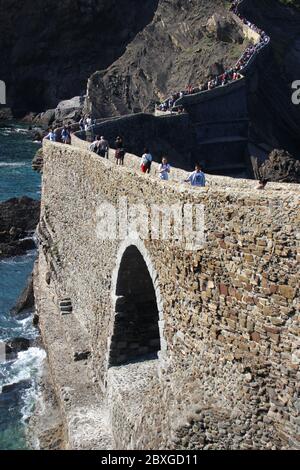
x=64, y=136
x=229, y=76
x=101, y=147
x=197, y=178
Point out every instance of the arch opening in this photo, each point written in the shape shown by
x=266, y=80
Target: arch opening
x=136, y=335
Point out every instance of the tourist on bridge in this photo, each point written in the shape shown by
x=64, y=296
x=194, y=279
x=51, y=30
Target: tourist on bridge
x=146, y=161
x=164, y=169
x=65, y=135
x=103, y=148
x=81, y=123
x=120, y=152
x=197, y=178
x=87, y=123
x=94, y=147
x=51, y=136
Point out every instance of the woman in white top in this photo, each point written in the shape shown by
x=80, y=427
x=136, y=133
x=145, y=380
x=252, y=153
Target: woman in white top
x=164, y=170
x=146, y=161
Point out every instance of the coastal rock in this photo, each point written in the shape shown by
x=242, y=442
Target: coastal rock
x=5, y=114
x=45, y=119
x=18, y=219
x=14, y=389
x=69, y=110
x=37, y=134
x=16, y=345
x=281, y=167
x=29, y=118
x=26, y=299
x=49, y=49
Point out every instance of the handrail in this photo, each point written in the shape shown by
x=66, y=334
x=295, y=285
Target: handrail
x=240, y=69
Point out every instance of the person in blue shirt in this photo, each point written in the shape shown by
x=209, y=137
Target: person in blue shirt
x=65, y=135
x=51, y=136
x=197, y=178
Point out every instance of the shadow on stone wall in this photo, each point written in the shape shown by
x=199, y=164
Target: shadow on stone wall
x=168, y=135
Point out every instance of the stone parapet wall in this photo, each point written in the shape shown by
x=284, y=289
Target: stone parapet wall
x=228, y=371
x=169, y=135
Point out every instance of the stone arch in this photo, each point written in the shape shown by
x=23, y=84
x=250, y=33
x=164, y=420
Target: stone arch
x=137, y=330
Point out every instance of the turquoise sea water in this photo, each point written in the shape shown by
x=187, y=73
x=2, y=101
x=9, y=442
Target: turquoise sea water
x=17, y=179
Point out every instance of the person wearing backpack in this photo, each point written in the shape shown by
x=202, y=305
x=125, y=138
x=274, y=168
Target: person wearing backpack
x=146, y=161
x=94, y=147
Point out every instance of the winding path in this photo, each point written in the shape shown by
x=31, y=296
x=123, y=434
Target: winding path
x=229, y=76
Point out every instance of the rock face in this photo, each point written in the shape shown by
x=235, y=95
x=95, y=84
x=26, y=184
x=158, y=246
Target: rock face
x=18, y=218
x=225, y=28
x=281, y=167
x=182, y=45
x=274, y=116
x=16, y=345
x=67, y=110
x=175, y=49
x=5, y=114
x=26, y=300
x=49, y=49
x=136, y=53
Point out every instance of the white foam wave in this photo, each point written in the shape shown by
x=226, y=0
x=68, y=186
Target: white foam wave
x=27, y=365
x=12, y=164
x=21, y=130
x=19, y=259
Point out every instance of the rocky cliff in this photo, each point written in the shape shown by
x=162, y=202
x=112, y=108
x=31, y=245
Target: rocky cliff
x=177, y=48
x=48, y=49
x=136, y=53
x=275, y=118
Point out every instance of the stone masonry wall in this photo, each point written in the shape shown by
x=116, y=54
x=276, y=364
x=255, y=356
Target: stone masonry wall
x=228, y=372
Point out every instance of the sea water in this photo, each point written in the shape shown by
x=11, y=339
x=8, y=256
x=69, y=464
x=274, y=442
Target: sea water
x=17, y=179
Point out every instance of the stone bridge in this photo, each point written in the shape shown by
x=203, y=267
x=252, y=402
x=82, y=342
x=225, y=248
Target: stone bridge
x=152, y=343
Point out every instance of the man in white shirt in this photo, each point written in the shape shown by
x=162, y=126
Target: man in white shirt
x=103, y=147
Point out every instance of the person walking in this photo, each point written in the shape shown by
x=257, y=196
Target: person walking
x=146, y=161
x=197, y=178
x=51, y=136
x=103, y=148
x=65, y=135
x=120, y=152
x=164, y=169
x=94, y=147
